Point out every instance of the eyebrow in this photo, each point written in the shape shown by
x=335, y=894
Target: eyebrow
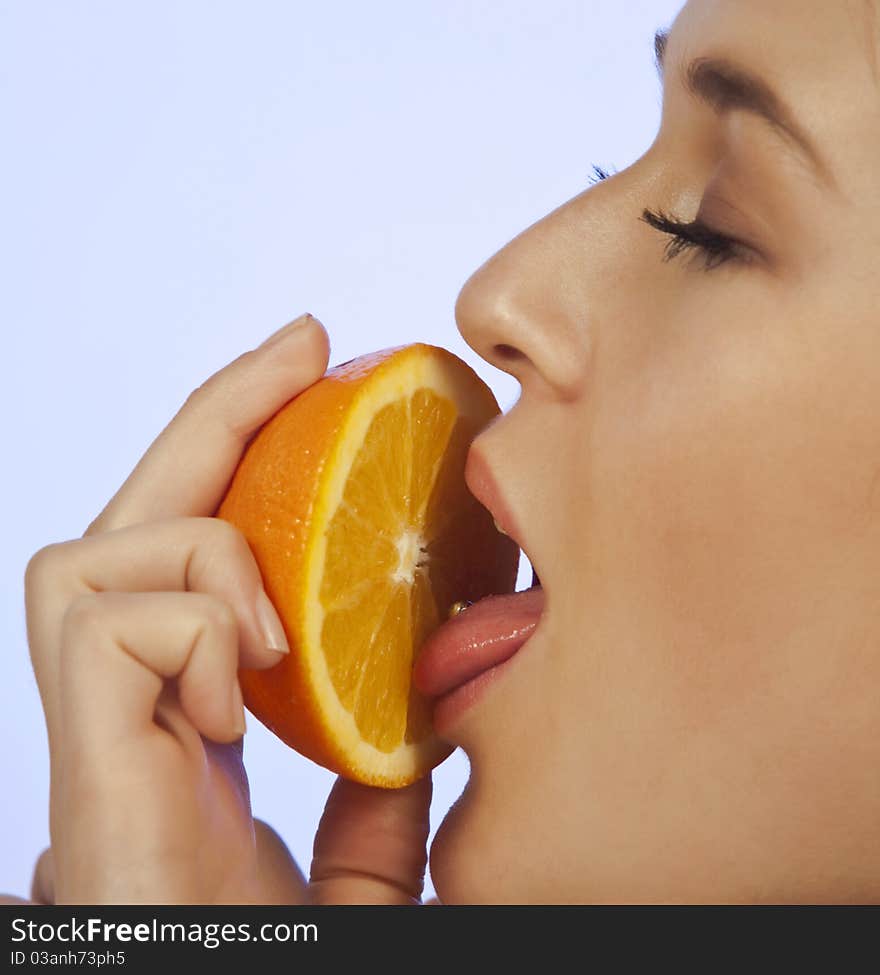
x=726, y=86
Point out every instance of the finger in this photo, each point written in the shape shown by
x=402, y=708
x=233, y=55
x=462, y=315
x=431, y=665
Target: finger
x=371, y=845
x=206, y=555
x=120, y=648
x=188, y=467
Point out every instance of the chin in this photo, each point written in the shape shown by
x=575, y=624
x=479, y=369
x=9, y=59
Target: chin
x=468, y=862
x=454, y=862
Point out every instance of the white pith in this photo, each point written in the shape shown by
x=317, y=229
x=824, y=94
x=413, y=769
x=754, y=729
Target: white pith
x=392, y=384
x=411, y=553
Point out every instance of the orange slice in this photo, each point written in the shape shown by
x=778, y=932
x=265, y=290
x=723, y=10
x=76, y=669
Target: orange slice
x=353, y=500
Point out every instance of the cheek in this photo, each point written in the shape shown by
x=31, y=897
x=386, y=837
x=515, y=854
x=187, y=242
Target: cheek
x=726, y=463
x=720, y=500
x=711, y=490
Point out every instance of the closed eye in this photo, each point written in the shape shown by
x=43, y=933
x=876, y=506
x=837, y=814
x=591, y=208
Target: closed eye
x=710, y=246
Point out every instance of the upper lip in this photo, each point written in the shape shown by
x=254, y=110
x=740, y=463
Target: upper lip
x=484, y=487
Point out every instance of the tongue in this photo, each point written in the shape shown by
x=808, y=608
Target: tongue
x=480, y=637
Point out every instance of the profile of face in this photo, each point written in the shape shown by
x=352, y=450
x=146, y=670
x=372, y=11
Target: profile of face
x=694, y=468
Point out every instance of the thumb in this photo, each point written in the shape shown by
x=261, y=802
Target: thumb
x=371, y=845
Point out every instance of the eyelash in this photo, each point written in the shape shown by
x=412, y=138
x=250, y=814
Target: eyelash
x=598, y=174
x=709, y=246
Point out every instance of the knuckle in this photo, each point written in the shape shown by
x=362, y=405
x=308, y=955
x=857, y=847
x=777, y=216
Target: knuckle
x=230, y=542
x=219, y=614
x=214, y=389
x=43, y=566
x=84, y=616
x=220, y=551
x=197, y=396
x=100, y=524
x=213, y=400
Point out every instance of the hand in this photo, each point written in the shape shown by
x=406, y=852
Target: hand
x=370, y=849
x=281, y=881
x=136, y=632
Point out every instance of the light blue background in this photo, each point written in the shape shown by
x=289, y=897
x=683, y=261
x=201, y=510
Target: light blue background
x=181, y=178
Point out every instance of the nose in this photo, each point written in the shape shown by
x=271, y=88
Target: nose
x=526, y=311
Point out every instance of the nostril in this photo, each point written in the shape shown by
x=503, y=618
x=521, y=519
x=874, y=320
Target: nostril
x=508, y=353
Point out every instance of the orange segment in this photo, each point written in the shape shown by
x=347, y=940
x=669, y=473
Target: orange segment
x=354, y=502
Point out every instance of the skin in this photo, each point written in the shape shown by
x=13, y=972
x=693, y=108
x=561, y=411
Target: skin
x=136, y=631
x=695, y=718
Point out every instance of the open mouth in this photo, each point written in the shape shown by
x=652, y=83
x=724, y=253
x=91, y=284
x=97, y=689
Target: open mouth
x=467, y=652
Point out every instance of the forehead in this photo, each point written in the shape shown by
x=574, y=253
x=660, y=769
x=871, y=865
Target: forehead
x=821, y=56
x=822, y=31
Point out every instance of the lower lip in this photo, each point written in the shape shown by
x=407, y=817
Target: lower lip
x=450, y=707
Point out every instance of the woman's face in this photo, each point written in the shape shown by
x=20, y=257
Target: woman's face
x=694, y=465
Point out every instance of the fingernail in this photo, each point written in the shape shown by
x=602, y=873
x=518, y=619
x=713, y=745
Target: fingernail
x=237, y=708
x=288, y=329
x=270, y=626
